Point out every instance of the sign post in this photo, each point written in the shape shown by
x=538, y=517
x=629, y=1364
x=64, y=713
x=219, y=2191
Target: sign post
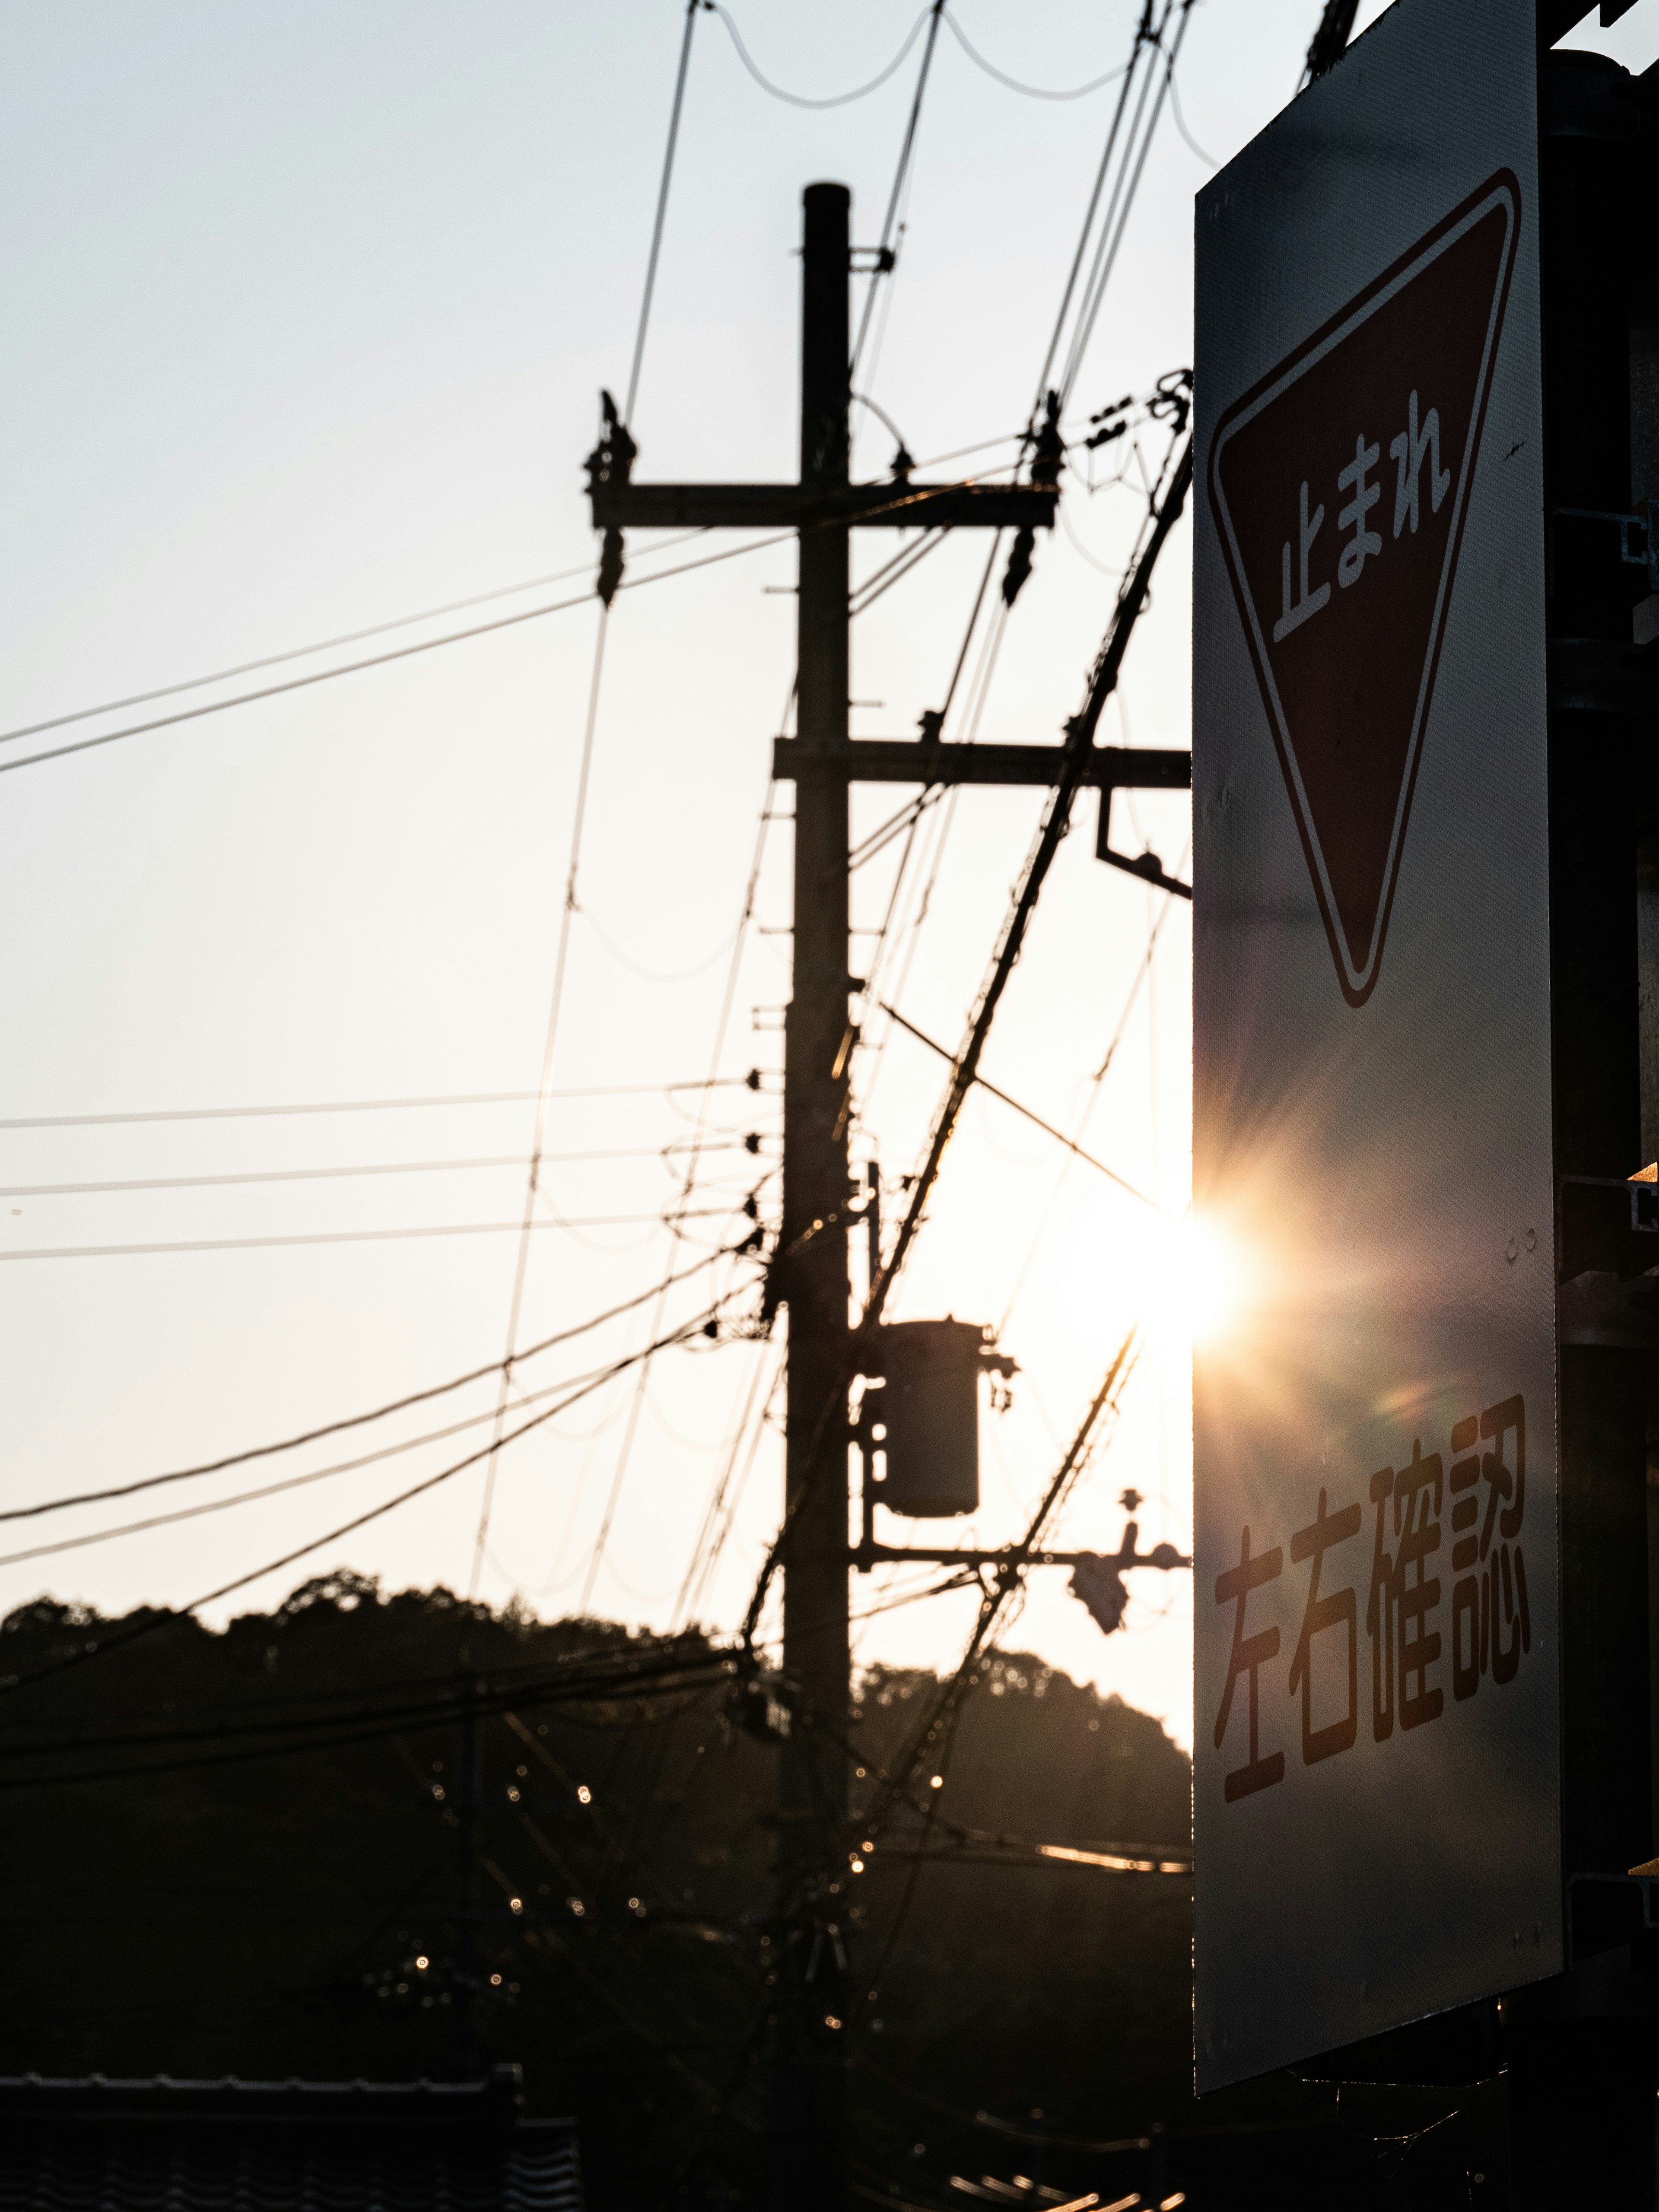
x=1425, y=783
x=1378, y=1752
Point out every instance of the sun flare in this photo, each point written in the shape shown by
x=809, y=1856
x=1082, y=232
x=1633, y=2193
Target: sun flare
x=1176, y=1276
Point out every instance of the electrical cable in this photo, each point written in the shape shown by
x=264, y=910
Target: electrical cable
x=1095, y=284
x=341, y=1236
x=327, y=1174
x=837, y=100
x=1162, y=513
x=906, y=1898
x=946, y=1706
x=905, y=497
x=362, y=1520
x=706, y=1553
x=662, y=212
x=841, y=100
x=862, y=600
x=979, y=691
x=877, y=839
x=375, y=1105
x=886, y=254
x=1139, y=977
x=893, y=1785
x=1090, y=1103
x=605, y=1663
x=274, y=1489
x=555, y=1005
x=745, y=916
x=322, y=645
x=1117, y=216
x=1037, y=1120
x=1143, y=33
x=906, y=821
x=725, y=1460
x=1056, y=818
x=904, y=558
x=652, y=975
x=353, y=1421
x=1209, y=160
x=383, y=660
x=1112, y=575
x=378, y=1721
x=1030, y=91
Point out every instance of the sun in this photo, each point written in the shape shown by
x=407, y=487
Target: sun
x=1194, y=1273
x=1110, y=1266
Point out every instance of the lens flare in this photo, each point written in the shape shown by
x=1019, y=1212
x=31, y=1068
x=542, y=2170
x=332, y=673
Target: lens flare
x=1108, y=1267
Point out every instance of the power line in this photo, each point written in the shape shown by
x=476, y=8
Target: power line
x=662, y=210
x=706, y=1555
x=1056, y=818
x=904, y=497
x=1037, y=1120
x=375, y=1105
x=979, y=689
x=1090, y=1103
x=843, y=99
x=362, y=1520
x=322, y=645
x=936, y=1731
x=1030, y=91
x=353, y=1420
x=906, y=820
x=894, y=571
x=886, y=255
x=1143, y=33
x=680, y=1663
x=1076, y=1457
x=745, y=915
x=260, y=1709
x=1111, y=229
x=1162, y=513
x=652, y=974
x=425, y=614
x=275, y=1489
x=1209, y=160
x=557, y=999
x=1125, y=190
x=347, y=1237
x=383, y=660
x=327, y=1174
x=837, y=100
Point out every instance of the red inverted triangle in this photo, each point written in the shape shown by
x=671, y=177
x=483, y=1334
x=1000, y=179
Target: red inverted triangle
x=1339, y=485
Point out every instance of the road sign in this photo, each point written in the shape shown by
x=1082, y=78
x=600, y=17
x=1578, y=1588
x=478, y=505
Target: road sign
x=1376, y=1753
x=1348, y=718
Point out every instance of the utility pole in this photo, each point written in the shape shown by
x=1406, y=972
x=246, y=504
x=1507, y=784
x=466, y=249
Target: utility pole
x=809, y=2110
x=812, y=1990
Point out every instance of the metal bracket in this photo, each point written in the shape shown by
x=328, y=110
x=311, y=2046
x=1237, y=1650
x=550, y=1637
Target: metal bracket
x=1148, y=867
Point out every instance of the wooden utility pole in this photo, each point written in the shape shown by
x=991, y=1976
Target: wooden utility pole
x=812, y=1990
x=809, y=2110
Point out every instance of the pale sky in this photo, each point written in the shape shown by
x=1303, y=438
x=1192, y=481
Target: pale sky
x=308, y=309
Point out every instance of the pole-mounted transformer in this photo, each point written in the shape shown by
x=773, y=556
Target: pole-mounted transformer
x=922, y=1416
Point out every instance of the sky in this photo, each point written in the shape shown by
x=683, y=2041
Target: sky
x=310, y=308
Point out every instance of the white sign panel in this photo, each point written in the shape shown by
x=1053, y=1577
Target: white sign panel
x=1376, y=1753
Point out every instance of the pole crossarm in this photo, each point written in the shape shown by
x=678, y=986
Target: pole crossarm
x=894, y=505
x=911, y=760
